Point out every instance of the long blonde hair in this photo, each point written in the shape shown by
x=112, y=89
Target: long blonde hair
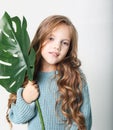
x=69, y=76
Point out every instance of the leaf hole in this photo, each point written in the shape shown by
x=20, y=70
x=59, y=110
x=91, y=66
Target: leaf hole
x=14, y=26
x=31, y=66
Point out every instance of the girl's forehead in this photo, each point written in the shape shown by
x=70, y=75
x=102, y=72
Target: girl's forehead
x=50, y=30
x=61, y=25
x=66, y=29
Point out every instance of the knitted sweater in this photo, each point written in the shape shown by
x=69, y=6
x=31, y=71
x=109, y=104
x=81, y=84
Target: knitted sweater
x=21, y=112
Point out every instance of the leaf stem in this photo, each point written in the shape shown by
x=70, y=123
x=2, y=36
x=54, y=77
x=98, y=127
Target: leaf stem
x=40, y=115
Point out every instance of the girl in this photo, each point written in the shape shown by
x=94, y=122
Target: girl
x=60, y=85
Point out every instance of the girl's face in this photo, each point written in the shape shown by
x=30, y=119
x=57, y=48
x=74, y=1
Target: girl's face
x=55, y=47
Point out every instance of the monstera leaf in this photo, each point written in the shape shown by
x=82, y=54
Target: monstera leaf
x=15, y=60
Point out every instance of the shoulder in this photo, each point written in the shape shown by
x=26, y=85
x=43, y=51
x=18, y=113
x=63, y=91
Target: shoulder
x=83, y=78
x=85, y=86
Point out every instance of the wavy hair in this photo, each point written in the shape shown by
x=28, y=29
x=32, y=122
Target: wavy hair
x=69, y=76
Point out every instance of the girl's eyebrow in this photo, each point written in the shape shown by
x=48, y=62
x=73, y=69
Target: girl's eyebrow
x=66, y=40
x=51, y=34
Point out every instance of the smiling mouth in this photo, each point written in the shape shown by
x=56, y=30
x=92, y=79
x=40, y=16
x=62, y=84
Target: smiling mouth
x=54, y=54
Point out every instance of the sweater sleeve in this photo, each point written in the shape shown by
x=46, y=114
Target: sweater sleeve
x=21, y=112
x=85, y=109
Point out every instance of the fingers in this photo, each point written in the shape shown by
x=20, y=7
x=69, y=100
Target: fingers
x=31, y=92
x=32, y=84
x=35, y=85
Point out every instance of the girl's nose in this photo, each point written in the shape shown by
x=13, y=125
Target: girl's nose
x=57, y=46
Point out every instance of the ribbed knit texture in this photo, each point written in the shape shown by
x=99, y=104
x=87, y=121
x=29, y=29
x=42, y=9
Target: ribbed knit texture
x=21, y=112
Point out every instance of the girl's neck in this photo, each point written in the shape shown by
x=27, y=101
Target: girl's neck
x=47, y=68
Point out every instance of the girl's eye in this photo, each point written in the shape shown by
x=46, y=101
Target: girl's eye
x=65, y=43
x=51, y=38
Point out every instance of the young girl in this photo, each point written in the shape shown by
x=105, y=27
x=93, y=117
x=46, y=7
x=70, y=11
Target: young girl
x=60, y=86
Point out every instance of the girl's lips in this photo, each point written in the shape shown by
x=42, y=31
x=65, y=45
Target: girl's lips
x=54, y=53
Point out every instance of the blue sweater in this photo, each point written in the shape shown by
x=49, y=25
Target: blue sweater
x=21, y=112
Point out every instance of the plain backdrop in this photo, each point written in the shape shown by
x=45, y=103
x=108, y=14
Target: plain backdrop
x=94, y=22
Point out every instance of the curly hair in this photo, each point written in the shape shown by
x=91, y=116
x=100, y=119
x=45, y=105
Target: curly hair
x=69, y=76
x=70, y=87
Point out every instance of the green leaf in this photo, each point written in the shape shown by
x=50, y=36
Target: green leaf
x=15, y=59
x=15, y=62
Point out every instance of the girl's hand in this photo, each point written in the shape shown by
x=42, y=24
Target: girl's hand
x=30, y=92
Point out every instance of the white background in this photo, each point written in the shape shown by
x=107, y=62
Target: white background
x=94, y=22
